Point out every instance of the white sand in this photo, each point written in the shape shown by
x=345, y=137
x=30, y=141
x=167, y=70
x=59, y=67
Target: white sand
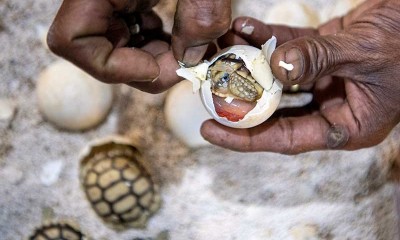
x=208, y=194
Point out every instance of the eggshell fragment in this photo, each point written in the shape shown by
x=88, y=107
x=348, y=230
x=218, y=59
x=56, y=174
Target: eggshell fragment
x=70, y=98
x=286, y=66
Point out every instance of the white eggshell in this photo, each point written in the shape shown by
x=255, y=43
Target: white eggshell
x=70, y=98
x=292, y=13
x=257, y=62
x=184, y=113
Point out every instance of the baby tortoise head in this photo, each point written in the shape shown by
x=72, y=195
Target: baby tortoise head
x=58, y=231
x=230, y=78
x=118, y=186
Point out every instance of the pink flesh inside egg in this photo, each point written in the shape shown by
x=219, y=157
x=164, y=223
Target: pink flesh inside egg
x=234, y=111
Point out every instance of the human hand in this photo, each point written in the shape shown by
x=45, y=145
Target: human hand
x=196, y=24
x=95, y=35
x=349, y=64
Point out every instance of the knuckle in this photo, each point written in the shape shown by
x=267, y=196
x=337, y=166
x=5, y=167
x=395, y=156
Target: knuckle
x=325, y=55
x=208, y=18
x=201, y=20
x=363, y=131
x=370, y=128
x=58, y=41
x=377, y=35
x=322, y=55
x=219, y=25
x=106, y=74
x=53, y=40
x=286, y=129
x=376, y=55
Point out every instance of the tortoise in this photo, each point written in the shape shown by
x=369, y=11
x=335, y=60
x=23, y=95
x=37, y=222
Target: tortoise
x=58, y=231
x=230, y=78
x=117, y=184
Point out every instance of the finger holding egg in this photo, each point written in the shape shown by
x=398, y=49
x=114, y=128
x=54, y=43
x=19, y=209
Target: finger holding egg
x=237, y=86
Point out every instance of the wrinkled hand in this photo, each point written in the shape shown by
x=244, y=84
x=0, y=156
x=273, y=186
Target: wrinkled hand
x=352, y=66
x=95, y=35
x=196, y=24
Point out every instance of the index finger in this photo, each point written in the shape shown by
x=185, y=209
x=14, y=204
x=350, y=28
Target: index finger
x=196, y=24
x=78, y=34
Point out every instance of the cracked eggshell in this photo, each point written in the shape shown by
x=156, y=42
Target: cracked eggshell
x=257, y=62
x=70, y=98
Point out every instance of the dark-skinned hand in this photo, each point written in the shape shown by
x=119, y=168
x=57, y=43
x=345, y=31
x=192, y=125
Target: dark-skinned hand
x=350, y=65
x=198, y=23
x=100, y=36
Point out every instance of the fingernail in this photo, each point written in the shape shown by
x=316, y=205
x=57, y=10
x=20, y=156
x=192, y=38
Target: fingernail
x=337, y=136
x=193, y=55
x=294, y=57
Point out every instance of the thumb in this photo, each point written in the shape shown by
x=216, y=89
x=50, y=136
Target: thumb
x=314, y=57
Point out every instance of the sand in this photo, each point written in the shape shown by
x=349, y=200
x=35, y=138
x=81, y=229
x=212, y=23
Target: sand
x=208, y=193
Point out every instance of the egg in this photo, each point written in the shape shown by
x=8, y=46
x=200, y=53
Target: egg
x=71, y=99
x=293, y=13
x=184, y=114
x=237, y=86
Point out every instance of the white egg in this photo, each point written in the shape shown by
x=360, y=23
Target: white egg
x=292, y=13
x=70, y=98
x=257, y=62
x=184, y=114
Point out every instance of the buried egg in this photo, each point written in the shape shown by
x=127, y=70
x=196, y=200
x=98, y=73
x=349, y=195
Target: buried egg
x=117, y=185
x=237, y=86
x=57, y=231
x=71, y=99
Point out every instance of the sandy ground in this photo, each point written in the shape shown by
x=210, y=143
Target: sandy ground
x=208, y=193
